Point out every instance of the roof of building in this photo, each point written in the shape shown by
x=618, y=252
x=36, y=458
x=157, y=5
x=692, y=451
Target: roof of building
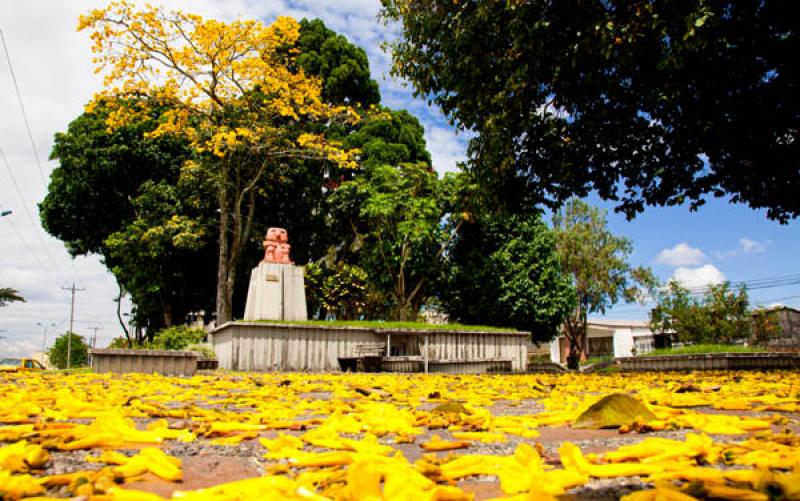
x=776, y=307
x=617, y=323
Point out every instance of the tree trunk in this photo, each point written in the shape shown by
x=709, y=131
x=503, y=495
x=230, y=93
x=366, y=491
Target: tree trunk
x=576, y=335
x=402, y=312
x=167, y=313
x=119, y=316
x=140, y=335
x=574, y=355
x=224, y=287
x=234, y=230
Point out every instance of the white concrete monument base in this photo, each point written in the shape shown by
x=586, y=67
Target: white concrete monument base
x=277, y=292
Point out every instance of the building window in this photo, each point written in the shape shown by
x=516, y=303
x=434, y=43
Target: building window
x=601, y=346
x=644, y=344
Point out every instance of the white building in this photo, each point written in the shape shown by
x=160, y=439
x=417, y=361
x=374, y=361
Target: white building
x=617, y=338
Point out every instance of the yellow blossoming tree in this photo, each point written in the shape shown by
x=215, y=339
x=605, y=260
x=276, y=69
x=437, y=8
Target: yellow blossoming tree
x=233, y=90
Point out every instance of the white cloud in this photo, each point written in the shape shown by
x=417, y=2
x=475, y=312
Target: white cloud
x=447, y=149
x=726, y=254
x=681, y=254
x=750, y=246
x=746, y=246
x=703, y=276
x=18, y=348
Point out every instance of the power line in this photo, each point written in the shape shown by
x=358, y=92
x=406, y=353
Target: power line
x=36, y=228
x=755, y=284
x=25, y=243
x=762, y=301
x=22, y=107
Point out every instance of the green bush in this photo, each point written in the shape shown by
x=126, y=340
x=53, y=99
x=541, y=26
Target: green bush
x=203, y=349
x=119, y=342
x=341, y=291
x=177, y=337
x=79, y=356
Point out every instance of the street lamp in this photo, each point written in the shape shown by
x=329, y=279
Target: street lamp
x=44, y=335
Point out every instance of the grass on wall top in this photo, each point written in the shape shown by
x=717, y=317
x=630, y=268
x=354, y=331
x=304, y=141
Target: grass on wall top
x=378, y=324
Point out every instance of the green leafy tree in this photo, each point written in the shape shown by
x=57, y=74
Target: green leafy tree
x=645, y=102
x=720, y=316
x=679, y=314
x=296, y=190
x=341, y=291
x=78, y=351
x=397, y=231
x=597, y=262
x=97, y=191
x=112, y=185
x=504, y=271
x=315, y=275
x=765, y=326
x=386, y=216
x=343, y=67
x=9, y=295
x=390, y=137
x=232, y=89
x=729, y=316
x=172, y=228
x=99, y=173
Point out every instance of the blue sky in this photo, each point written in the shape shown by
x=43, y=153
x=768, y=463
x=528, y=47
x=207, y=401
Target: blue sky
x=53, y=67
x=741, y=243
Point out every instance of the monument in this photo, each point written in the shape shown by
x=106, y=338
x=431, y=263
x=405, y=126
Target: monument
x=277, y=290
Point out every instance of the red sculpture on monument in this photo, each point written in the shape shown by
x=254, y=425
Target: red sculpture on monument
x=276, y=247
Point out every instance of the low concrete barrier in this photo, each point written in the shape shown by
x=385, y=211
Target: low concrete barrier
x=711, y=361
x=784, y=345
x=547, y=367
x=169, y=363
x=470, y=366
x=207, y=363
x=402, y=364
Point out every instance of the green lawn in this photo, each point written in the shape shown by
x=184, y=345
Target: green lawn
x=597, y=360
x=376, y=324
x=698, y=349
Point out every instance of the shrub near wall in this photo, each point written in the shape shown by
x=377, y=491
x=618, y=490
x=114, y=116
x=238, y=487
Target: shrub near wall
x=176, y=338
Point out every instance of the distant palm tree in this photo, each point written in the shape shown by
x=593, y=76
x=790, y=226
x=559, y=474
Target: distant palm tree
x=9, y=295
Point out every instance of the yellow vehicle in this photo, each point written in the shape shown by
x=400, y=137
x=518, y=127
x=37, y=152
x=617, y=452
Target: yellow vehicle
x=19, y=365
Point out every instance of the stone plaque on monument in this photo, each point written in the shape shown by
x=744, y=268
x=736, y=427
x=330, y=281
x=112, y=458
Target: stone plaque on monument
x=277, y=289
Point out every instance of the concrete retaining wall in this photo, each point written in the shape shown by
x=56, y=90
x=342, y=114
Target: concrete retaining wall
x=170, y=363
x=263, y=346
x=711, y=361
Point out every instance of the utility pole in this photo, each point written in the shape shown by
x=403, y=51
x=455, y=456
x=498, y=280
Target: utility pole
x=94, y=336
x=71, y=321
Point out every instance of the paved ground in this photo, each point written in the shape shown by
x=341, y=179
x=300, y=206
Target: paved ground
x=294, y=404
